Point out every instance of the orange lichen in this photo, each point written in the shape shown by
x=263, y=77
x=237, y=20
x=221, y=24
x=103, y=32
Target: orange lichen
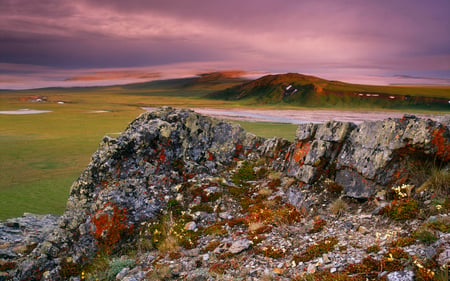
x=301, y=149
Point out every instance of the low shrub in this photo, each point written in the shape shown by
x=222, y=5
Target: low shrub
x=403, y=242
x=425, y=235
x=338, y=207
x=373, y=249
x=116, y=265
x=318, y=224
x=244, y=173
x=403, y=209
x=316, y=250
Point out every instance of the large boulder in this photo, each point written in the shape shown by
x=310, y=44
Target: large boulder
x=130, y=179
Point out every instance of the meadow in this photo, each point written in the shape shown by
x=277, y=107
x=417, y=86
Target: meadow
x=42, y=154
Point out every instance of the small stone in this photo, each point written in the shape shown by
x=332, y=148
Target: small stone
x=363, y=230
x=205, y=257
x=325, y=258
x=130, y=278
x=444, y=257
x=190, y=226
x=122, y=273
x=225, y=215
x=349, y=225
x=239, y=246
x=404, y=275
x=311, y=268
x=430, y=252
x=333, y=270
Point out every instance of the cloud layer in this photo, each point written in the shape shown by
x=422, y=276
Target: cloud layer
x=348, y=37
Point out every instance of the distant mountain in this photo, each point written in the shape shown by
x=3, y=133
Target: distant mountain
x=220, y=79
x=304, y=90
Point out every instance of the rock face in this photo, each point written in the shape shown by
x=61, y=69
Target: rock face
x=360, y=158
x=131, y=179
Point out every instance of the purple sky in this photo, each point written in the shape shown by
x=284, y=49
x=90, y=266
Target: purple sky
x=45, y=42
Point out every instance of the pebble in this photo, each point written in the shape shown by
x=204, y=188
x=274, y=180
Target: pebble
x=192, y=226
x=239, y=246
x=311, y=268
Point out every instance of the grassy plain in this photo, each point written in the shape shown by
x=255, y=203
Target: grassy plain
x=41, y=155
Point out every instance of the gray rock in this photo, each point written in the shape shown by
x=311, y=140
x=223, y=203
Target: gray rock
x=444, y=257
x=334, y=131
x=306, y=131
x=404, y=275
x=354, y=184
x=239, y=246
x=121, y=275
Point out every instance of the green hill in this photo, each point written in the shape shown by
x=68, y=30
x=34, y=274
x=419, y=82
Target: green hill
x=303, y=90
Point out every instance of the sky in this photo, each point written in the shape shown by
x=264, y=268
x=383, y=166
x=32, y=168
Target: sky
x=99, y=42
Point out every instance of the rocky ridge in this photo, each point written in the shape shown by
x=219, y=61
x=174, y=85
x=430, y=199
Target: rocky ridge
x=201, y=199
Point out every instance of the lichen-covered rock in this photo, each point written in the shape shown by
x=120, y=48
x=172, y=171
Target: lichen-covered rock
x=130, y=179
x=362, y=157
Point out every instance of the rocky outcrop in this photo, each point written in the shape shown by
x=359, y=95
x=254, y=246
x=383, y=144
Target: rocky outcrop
x=131, y=179
x=368, y=156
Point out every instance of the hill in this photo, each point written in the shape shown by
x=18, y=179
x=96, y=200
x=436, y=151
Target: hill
x=303, y=90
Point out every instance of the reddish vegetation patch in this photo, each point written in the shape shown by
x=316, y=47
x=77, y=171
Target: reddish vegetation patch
x=110, y=228
x=403, y=209
x=4, y=266
x=318, y=225
x=441, y=144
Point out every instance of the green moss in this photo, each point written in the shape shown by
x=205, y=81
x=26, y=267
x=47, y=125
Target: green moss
x=202, y=207
x=244, y=173
x=440, y=224
x=425, y=235
x=373, y=249
x=174, y=207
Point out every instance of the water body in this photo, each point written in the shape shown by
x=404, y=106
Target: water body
x=24, y=111
x=299, y=116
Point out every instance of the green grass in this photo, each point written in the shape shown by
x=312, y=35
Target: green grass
x=269, y=130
